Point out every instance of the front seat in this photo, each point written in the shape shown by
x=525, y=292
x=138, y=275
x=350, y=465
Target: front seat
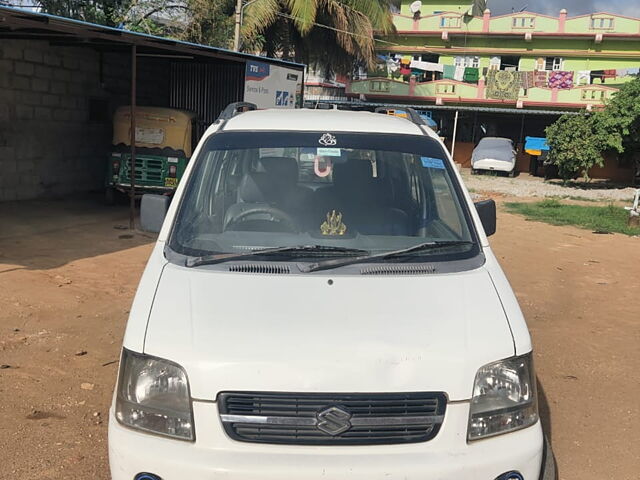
x=284, y=172
x=257, y=196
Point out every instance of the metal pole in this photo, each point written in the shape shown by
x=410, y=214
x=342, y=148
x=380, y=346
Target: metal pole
x=475, y=124
x=236, y=37
x=522, y=130
x=301, y=91
x=132, y=160
x=455, y=134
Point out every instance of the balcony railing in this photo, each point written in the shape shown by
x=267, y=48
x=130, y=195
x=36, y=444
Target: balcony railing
x=452, y=91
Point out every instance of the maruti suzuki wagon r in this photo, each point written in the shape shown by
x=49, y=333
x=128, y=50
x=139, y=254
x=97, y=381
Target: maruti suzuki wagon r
x=322, y=303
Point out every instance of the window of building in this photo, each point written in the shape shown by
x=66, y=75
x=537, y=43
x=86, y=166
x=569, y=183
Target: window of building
x=445, y=88
x=430, y=57
x=550, y=64
x=509, y=63
x=379, y=86
x=524, y=22
x=450, y=22
x=467, y=61
x=601, y=23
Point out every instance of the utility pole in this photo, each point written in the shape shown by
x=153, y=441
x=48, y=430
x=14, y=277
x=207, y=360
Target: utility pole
x=132, y=133
x=236, y=38
x=455, y=134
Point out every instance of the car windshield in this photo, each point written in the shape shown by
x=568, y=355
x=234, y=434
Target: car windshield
x=334, y=194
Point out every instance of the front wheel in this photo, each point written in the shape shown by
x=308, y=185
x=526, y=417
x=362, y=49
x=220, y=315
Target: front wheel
x=549, y=470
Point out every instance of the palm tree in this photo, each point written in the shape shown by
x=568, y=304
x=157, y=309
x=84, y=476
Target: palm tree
x=335, y=35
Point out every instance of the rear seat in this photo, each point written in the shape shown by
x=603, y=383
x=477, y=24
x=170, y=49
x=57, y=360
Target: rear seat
x=362, y=199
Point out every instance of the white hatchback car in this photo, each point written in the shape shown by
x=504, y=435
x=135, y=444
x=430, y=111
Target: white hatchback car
x=322, y=303
x=494, y=154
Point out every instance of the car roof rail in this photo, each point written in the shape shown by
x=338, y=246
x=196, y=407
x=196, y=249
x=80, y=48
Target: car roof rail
x=236, y=108
x=411, y=113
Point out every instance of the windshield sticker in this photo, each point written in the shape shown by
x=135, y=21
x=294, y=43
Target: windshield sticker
x=430, y=162
x=327, y=140
x=329, y=152
x=333, y=225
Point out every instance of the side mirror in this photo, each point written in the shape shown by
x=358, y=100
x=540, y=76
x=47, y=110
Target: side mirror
x=153, y=209
x=487, y=213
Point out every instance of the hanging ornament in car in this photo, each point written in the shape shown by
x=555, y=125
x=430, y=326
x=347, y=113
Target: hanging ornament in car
x=326, y=168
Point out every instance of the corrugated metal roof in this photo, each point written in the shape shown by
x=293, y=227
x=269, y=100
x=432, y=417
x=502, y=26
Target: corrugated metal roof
x=513, y=111
x=23, y=24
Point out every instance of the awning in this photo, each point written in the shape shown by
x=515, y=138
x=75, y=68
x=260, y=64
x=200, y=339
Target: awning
x=16, y=23
x=465, y=108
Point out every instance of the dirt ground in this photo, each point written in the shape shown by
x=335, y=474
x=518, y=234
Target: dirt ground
x=68, y=272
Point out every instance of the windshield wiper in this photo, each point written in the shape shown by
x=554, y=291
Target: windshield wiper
x=430, y=246
x=226, y=257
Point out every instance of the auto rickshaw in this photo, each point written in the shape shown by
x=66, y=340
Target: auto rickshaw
x=163, y=149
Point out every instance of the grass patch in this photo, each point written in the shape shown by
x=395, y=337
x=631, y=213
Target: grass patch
x=577, y=198
x=604, y=219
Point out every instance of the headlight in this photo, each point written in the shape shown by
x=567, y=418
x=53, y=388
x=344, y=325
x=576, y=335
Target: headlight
x=153, y=395
x=504, y=398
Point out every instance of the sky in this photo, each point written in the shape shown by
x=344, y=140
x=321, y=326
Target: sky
x=574, y=7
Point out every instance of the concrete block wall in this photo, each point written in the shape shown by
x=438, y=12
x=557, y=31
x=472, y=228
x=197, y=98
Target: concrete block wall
x=49, y=145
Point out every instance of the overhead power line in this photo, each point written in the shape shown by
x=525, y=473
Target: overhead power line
x=328, y=27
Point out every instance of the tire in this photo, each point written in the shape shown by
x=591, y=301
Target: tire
x=110, y=196
x=474, y=171
x=549, y=469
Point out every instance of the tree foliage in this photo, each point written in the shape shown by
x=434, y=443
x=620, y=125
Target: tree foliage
x=159, y=17
x=621, y=118
x=210, y=22
x=578, y=142
x=104, y=12
x=575, y=145
x=336, y=35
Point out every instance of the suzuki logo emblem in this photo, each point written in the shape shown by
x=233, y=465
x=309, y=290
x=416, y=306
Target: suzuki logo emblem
x=334, y=420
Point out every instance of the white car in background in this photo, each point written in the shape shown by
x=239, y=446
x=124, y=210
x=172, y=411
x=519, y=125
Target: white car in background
x=345, y=321
x=494, y=154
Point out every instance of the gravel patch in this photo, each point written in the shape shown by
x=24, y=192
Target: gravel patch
x=528, y=186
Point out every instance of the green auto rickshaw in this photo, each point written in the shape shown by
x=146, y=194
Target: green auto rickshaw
x=163, y=149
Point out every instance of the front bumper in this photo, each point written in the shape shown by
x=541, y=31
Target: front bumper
x=214, y=455
x=125, y=187
x=493, y=165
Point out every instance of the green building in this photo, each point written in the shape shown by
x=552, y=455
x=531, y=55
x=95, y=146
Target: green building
x=507, y=75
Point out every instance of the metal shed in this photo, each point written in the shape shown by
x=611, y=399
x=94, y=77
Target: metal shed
x=61, y=80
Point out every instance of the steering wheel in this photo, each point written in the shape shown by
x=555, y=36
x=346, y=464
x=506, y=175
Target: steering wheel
x=276, y=215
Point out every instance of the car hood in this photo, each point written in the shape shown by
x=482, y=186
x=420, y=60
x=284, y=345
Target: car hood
x=302, y=333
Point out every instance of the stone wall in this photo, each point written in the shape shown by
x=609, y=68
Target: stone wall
x=56, y=105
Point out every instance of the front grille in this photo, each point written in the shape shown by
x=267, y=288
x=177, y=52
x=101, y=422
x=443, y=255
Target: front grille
x=148, y=170
x=332, y=419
